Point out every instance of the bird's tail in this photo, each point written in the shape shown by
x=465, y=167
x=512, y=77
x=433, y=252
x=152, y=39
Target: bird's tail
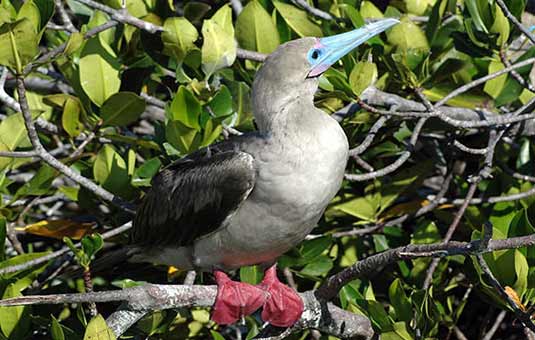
x=114, y=258
x=107, y=261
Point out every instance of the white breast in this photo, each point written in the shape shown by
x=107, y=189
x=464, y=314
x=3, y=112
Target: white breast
x=296, y=180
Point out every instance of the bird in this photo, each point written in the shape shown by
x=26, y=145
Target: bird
x=249, y=199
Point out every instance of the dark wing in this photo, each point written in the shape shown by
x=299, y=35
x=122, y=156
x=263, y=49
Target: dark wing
x=192, y=197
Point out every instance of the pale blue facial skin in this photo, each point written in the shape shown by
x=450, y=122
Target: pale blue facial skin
x=329, y=50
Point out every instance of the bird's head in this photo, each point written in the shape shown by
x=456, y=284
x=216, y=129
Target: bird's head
x=293, y=68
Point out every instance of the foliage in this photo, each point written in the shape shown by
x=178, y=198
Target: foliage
x=127, y=102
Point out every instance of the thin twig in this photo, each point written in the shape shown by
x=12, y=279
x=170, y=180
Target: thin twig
x=515, y=21
x=123, y=16
x=56, y=164
x=375, y=262
x=318, y=13
x=497, y=322
x=482, y=80
x=397, y=163
x=65, y=17
x=57, y=253
x=251, y=55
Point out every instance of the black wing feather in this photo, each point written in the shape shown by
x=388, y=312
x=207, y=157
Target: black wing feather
x=192, y=197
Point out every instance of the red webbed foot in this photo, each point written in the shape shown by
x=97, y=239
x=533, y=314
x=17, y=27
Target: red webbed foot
x=235, y=299
x=283, y=307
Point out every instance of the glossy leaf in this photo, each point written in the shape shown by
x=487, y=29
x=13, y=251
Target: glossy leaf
x=407, y=35
x=185, y=108
x=255, y=30
x=19, y=43
x=71, y=118
x=97, y=329
x=110, y=170
x=179, y=37
x=298, y=20
x=122, y=108
x=99, y=71
x=363, y=75
x=219, y=47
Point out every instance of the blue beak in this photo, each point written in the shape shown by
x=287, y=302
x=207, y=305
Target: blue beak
x=328, y=50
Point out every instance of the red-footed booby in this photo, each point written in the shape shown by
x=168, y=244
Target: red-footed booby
x=247, y=200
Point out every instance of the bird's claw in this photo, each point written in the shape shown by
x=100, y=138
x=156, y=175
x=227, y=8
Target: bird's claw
x=283, y=306
x=235, y=299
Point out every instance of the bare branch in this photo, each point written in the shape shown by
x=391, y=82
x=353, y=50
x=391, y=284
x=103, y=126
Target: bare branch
x=318, y=13
x=65, y=17
x=237, y=6
x=53, y=162
x=515, y=21
x=467, y=149
x=123, y=16
x=138, y=300
x=369, y=137
x=57, y=253
x=398, y=163
x=376, y=262
x=251, y=55
x=482, y=80
x=18, y=154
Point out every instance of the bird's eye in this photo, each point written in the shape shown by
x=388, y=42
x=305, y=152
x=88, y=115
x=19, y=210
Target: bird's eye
x=314, y=55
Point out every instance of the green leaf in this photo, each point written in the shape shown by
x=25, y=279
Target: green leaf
x=369, y=11
x=251, y=274
x=178, y=38
x=3, y=230
x=255, y=30
x=46, y=11
x=313, y=248
x=320, y=266
x=400, y=332
x=476, y=14
x=14, y=321
x=13, y=132
x=110, y=170
x=219, y=47
x=407, y=35
x=122, y=108
x=56, y=332
x=360, y=207
x=143, y=174
x=363, y=75
x=221, y=104
x=181, y=137
x=426, y=233
x=97, y=329
x=298, y=20
x=75, y=41
x=99, y=71
x=19, y=259
x=494, y=86
x=185, y=108
x=71, y=117
x=378, y=316
x=400, y=302
x=500, y=26
x=19, y=44
x=40, y=183
x=91, y=244
x=30, y=11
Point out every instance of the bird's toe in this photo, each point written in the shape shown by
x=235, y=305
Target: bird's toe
x=235, y=299
x=283, y=307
